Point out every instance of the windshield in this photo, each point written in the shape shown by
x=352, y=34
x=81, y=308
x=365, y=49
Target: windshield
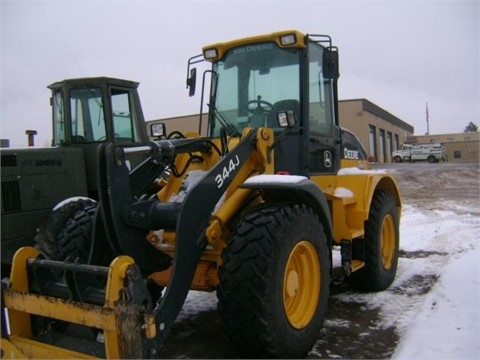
x=252, y=84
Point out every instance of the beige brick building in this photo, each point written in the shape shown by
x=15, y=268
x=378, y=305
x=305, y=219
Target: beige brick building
x=460, y=147
x=379, y=131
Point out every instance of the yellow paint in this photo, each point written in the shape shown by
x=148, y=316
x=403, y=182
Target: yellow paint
x=301, y=284
x=223, y=47
x=21, y=304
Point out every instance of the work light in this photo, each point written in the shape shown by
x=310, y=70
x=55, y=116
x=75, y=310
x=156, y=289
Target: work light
x=288, y=39
x=210, y=53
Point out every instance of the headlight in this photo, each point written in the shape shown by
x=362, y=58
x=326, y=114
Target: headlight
x=210, y=53
x=288, y=39
x=158, y=130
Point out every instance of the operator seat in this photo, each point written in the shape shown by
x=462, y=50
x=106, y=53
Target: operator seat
x=78, y=139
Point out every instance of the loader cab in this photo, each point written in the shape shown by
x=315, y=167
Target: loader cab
x=89, y=112
x=255, y=80
x=96, y=110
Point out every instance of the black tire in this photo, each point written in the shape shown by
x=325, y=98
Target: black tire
x=381, y=245
x=51, y=243
x=398, y=159
x=431, y=159
x=49, y=235
x=258, y=304
x=75, y=239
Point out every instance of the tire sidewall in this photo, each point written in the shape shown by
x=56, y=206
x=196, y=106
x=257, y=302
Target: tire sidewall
x=250, y=292
x=374, y=276
x=304, y=230
x=388, y=207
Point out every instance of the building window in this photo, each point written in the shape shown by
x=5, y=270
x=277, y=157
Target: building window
x=372, y=140
x=457, y=154
x=389, y=145
x=467, y=138
x=397, y=142
x=450, y=139
x=382, y=146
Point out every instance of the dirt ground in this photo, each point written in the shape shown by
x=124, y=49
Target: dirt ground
x=350, y=329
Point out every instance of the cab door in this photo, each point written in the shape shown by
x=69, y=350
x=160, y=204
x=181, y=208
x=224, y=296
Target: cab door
x=323, y=150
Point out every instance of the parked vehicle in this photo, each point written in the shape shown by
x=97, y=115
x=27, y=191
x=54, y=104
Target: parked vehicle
x=86, y=113
x=431, y=153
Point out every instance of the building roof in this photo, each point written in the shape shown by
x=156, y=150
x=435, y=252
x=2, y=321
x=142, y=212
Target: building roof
x=374, y=109
x=450, y=137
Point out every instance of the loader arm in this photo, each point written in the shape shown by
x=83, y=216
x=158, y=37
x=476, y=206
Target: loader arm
x=128, y=219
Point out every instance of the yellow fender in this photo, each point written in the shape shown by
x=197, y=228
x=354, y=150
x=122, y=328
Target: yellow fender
x=350, y=194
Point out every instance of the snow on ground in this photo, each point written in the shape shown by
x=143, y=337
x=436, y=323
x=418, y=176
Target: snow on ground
x=433, y=303
x=445, y=323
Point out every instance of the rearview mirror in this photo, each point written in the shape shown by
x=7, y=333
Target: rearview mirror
x=192, y=81
x=330, y=63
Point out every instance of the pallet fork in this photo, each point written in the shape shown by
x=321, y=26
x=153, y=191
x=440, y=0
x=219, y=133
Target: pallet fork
x=120, y=300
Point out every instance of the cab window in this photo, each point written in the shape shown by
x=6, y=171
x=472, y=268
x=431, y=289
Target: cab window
x=124, y=122
x=58, y=118
x=320, y=104
x=88, y=120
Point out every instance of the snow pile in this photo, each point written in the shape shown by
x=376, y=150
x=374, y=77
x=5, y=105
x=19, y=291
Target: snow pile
x=453, y=229
x=274, y=179
x=343, y=192
x=447, y=325
x=357, y=171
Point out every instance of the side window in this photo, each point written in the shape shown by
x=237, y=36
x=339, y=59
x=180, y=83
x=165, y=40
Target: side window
x=320, y=102
x=124, y=124
x=88, y=120
x=58, y=119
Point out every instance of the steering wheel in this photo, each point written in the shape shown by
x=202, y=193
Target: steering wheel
x=259, y=106
x=176, y=135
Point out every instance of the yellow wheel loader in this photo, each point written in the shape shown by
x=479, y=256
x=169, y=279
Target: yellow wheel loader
x=251, y=210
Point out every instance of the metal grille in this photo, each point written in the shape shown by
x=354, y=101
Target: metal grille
x=11, y=196
x=9, y=160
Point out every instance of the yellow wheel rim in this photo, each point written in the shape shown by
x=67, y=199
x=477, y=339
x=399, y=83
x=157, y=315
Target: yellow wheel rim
x=388, y=241
x=301, y=284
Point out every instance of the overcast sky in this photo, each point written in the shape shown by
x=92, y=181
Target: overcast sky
x=397, y=54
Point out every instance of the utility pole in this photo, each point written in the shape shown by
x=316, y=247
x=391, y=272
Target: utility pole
x=426, y=115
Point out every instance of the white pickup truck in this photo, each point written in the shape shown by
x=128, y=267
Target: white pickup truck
x=420, y=152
